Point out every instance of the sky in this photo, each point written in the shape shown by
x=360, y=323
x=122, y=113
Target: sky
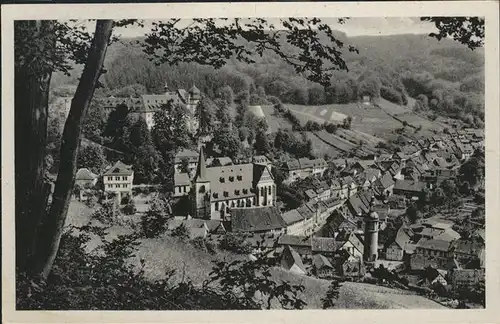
x=365, y=26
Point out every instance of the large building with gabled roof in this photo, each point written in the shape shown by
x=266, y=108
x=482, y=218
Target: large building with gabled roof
x=146, y=105
x=118, y=179
x=219, y=189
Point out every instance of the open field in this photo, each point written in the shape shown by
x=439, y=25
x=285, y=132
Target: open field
x=320, y=148
x=365, y=118
x=275, y=122
x=356, y=295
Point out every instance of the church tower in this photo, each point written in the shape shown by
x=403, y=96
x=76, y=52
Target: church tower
x=201, y=203
x=370, y=253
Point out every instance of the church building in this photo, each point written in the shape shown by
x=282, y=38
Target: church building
x=218, y=189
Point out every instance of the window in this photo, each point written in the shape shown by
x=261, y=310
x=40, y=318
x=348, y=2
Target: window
x=117, y=185
x=185, y=188
x=221, y=179
x=237, y=192
x=216, y=206
x=226, y=193
x=216, y=195
x=124, y=178
x=245, y=191
x=110, y=178
x=231, y=178
x=202, y=189
x=262, y=191
x=239, y=178
x=125, y=185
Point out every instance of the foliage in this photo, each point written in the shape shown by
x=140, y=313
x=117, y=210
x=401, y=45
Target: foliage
x=105, y=280
x=472, y=171
x=205, y=113
x=92, y=157
x=144, y=156
x=107, y=213
x=466, y=30
x=313, y=48
x=227, y=142
x=154, y=221
x=130, y=208
x=181, y=231
x=262, y=143
x=297, y=146
x=234, y=242
x=332, y=295
x=169, y=136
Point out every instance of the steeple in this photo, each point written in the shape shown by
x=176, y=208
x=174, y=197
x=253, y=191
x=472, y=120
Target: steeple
x=201, y=169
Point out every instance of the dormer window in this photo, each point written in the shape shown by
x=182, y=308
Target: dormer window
x=239, y=178
x=222, y=180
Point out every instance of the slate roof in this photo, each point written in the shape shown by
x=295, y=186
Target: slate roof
x=433, y=244
x=346, y=236
x=385, y=181
x=181, y=179
x=294, y=240
x=260, y=159
x=319, y=261
x=119, y=168
x=291, y=257
x=409, y=185
x=291, y=217
x=323, y=244
x=315, y=163
x=256, y=219
x=85, y=174
x=231, y=181
x=431, y=232
x=468, y=247
x=153, y=102
x=311, y=194
x=403, y=237
x=449, y=235
x=190, y=155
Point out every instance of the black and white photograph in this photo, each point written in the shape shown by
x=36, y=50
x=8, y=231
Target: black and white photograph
x=265, y=162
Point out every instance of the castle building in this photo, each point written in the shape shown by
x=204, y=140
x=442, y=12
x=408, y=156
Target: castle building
x=219, y=189
x=370, y=253
x=145, y=106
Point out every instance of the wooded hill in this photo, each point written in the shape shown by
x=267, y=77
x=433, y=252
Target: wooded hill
x=392, y=67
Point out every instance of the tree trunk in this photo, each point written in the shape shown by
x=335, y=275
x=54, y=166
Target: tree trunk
x=32, y=83
x=52, y=227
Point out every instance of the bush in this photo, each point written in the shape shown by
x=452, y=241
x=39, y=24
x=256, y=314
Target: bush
x=236, y=243
x=180, y=231
x=129, y=208
x=154, y=221
x=331, y=128
x=391, y=95
x=106, y=214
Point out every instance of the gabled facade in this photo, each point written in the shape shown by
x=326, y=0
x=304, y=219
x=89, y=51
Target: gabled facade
x=219, y=189
x=118, y=179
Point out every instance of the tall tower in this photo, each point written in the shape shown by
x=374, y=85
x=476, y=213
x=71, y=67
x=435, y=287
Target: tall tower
x=201, y=203
x=370, y=253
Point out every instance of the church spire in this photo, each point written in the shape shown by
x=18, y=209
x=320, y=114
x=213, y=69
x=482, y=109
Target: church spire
x=201, y=169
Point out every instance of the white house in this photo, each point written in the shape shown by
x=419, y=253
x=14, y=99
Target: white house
x=118, y=179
